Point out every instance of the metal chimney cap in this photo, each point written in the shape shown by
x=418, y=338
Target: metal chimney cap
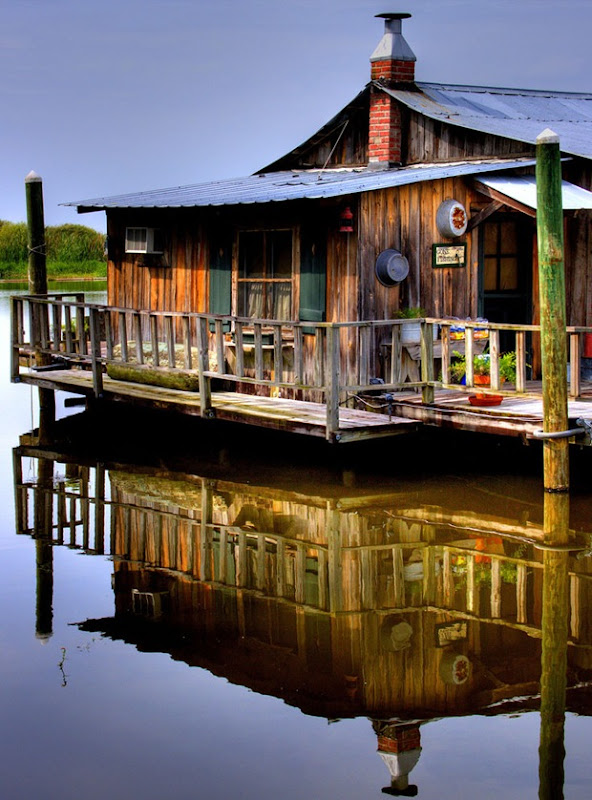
x=392, y=15
x=392, y=46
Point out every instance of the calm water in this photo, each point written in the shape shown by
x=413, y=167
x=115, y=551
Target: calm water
x=208, y=614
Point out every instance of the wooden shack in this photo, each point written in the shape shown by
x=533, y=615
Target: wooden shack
x=300, y=239
x=417, y=199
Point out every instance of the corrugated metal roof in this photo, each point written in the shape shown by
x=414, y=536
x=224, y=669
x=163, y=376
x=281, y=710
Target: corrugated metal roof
x=519, y=114
x=523, y=189
x=295, y=185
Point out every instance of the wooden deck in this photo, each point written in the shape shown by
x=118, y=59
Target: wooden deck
x=177, y=361
x=519, y=415
x=295, y=416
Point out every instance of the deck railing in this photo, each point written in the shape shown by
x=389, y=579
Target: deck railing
x=331, y=362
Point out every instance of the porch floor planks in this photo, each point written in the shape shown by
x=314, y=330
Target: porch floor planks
x=518, y=414
x=279, y=413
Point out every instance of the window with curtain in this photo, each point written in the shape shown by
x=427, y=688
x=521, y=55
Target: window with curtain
x=265, y=274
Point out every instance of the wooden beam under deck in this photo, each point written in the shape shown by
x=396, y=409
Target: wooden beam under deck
x=294, y=416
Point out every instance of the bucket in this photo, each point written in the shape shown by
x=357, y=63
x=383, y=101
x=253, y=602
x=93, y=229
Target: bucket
x=411, y=332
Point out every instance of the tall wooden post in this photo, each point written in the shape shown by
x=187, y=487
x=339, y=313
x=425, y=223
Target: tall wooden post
x=556, y=465
x=36, y=234
x=38, y=285
x=552, y=301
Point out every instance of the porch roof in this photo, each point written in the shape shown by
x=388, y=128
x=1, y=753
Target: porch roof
x=295, y=185
x=522, y=188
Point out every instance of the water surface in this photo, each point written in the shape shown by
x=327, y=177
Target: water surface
x=193, y=611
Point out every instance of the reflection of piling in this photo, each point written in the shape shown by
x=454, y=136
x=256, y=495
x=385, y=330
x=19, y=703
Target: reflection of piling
x=555, y=629
x=43, y=516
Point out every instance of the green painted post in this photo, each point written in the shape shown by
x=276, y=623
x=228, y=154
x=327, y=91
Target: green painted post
x=552, y=300
x=36, y=234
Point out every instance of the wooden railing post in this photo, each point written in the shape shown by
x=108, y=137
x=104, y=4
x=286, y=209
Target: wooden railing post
x=203, y=366
x=396, y=354
x=494, y=352
x=520, y=361
x=445, y=338
x=427, y=361
x=574, y=360
x=332, y=383
x=95, y=350
x=16, y=336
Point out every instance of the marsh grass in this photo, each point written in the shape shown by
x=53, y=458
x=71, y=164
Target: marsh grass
x=72, y=250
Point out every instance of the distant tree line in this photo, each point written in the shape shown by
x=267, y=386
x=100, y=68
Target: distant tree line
x=70, y=249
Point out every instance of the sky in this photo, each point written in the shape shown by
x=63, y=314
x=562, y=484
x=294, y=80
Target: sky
x=102, y=97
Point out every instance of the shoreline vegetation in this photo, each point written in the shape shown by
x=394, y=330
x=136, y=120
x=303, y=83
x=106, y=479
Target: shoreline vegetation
x=73, y=252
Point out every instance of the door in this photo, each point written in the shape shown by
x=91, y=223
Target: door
x=505, y=271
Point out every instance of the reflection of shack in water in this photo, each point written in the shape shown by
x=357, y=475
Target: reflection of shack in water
x=343, y=603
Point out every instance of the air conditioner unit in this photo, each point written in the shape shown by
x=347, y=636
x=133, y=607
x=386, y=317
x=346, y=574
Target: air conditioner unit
x=143, y=240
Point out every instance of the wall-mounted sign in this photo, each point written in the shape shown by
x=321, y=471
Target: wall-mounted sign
x=449, y=255
x=449, y=632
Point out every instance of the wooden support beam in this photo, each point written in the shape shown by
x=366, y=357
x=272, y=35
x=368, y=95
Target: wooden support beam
x=482, y=215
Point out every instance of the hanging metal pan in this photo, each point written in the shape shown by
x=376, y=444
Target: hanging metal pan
x=391, y=267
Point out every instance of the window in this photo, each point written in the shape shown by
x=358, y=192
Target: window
x=265, y=279
x=143, y=240
x=501, y=257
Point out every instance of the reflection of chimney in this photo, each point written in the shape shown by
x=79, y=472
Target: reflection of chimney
x=399, y=746
x=392, y=63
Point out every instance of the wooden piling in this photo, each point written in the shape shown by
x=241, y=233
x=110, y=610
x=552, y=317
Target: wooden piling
x=552, y=305
x=36, y=234
x=37, y=274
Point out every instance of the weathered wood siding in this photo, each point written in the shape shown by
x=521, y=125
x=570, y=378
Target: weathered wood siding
x=404, y=218
x=431, y=140
x=174, y=281
x=578, y=249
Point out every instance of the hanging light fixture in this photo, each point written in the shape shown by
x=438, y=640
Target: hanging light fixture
x=346, y=221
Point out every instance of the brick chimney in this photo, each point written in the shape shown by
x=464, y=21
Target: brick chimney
x=392, y=64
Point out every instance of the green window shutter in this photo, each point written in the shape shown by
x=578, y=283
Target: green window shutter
x=313, y=276
x=220, y=299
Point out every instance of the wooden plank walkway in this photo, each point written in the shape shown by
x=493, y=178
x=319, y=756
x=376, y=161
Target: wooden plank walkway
x=519, y=415
x=294, y=416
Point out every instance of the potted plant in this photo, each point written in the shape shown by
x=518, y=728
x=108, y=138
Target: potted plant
x=482, y=368
x=411, y=332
